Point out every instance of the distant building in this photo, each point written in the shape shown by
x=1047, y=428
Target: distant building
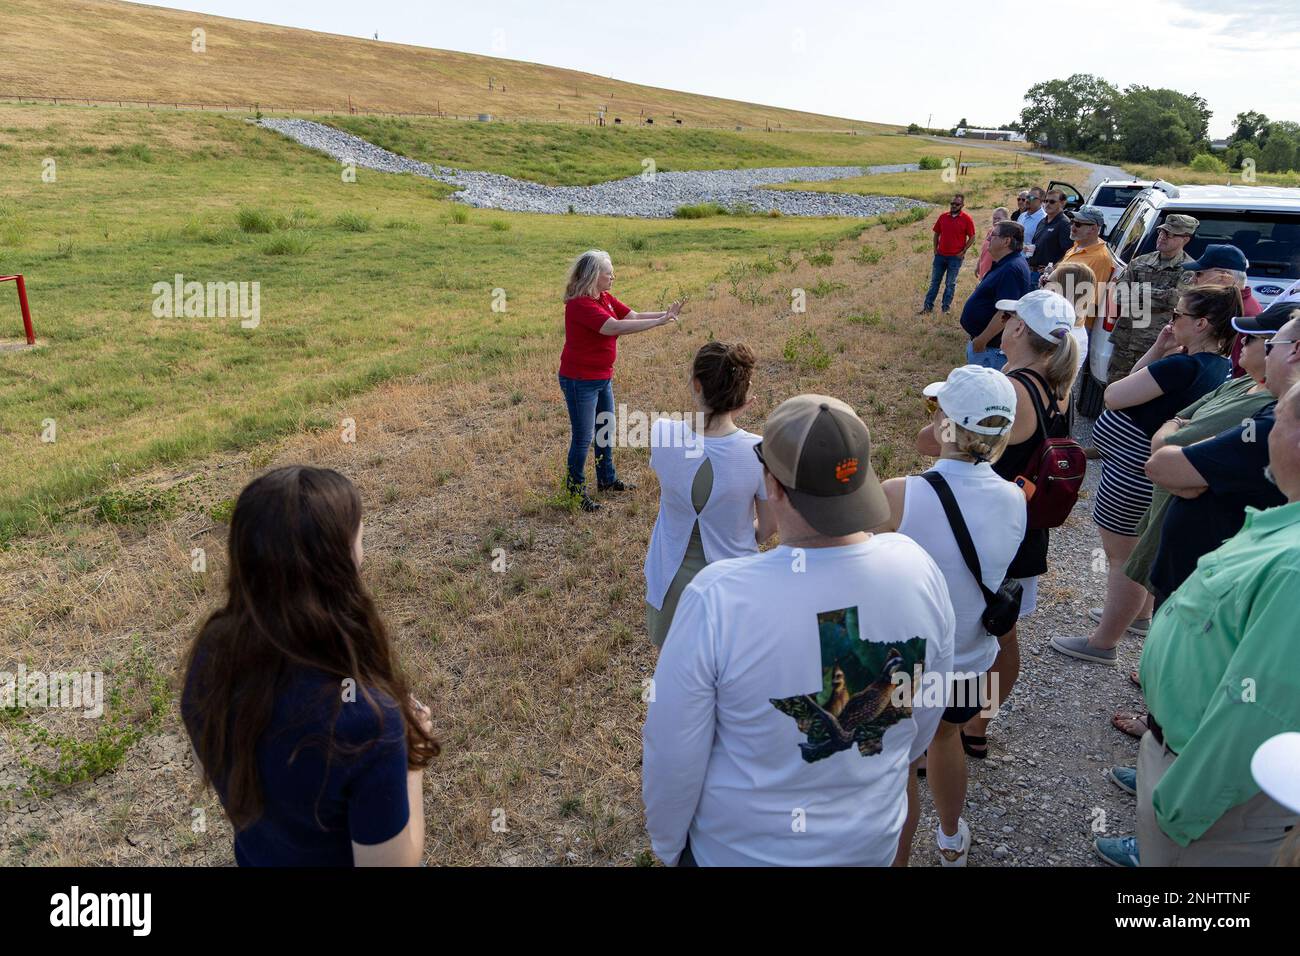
x=1008, y=135
x=1218, y=145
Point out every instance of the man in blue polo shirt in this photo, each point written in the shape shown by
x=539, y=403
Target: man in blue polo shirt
x=1008, y=279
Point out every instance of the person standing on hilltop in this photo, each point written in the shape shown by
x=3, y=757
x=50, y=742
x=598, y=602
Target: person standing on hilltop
x=954, y=232
x=593, y=321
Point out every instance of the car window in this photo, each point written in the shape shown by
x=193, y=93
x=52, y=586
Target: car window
x=1116, y=197
x=1132, y=228
x=1270, y=241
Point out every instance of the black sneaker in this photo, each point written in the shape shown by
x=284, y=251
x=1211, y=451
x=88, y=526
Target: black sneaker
x=588, y=503
x=617, y=485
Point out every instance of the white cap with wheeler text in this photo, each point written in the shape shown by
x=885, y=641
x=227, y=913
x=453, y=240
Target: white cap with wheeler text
x=973, y=393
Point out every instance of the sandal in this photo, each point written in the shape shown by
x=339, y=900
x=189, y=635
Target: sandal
x=969, y=744
x=1135, y=725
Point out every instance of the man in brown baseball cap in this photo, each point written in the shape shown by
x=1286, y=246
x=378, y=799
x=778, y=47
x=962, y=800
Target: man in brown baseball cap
x=1152, y=285
x=789, y=678
x=819, y=451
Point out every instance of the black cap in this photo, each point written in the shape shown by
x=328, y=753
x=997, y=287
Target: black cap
x=1270, y=321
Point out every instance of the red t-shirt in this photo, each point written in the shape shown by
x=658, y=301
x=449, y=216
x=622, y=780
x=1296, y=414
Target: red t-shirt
x=953, y=232
x=588, y=354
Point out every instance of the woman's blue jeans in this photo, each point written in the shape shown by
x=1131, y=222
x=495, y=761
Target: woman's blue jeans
x=587, y=399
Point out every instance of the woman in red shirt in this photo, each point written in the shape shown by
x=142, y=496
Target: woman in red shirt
x=593, y=321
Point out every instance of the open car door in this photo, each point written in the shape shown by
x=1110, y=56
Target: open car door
x=1073, y=198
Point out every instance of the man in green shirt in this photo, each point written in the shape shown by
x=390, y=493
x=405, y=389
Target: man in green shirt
x=1221, y=675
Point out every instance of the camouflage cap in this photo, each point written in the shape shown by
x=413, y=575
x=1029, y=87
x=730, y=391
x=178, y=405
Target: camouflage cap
x=1176, y=224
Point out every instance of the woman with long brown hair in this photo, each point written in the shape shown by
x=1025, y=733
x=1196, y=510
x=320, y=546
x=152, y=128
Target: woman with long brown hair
x=299, y=715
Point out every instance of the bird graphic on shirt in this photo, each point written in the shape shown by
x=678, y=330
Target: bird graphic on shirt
x=862, y=718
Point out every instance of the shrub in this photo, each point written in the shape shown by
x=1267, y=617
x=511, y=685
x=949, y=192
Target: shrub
x=352, y=222
x=868, y=256
x=138, y=507
x=286, y=244
x=461, y=216
x=255, y=220
x=805, y=350
x=1205, y=163
x=930, y=162
x=499, y=225
x=700, y=211
x=821, y=259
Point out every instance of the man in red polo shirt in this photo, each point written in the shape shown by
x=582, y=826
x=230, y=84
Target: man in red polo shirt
x=954, y=231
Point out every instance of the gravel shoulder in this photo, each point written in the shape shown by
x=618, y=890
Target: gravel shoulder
x=1041, y=796
x=655, y=196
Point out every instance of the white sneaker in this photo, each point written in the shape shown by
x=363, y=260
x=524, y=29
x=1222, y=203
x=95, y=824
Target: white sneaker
x=955, y=857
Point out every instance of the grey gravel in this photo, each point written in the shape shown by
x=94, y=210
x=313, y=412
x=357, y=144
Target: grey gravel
x=1043, y=793
x=656, y=197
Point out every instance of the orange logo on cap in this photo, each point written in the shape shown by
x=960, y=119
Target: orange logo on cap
x=846, y=469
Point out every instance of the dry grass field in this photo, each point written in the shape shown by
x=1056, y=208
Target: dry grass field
x=107, y=49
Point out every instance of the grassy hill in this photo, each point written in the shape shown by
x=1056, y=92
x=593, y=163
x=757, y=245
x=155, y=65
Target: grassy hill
x=106, y=49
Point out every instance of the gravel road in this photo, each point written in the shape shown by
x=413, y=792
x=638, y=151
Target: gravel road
x=646, y=197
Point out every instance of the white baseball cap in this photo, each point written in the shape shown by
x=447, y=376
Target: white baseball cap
x=1048, y=313
x=973, y=393
x=1276, y=768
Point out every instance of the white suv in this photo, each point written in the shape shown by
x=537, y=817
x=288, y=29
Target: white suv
x=1112, y=197
x=1262, y=221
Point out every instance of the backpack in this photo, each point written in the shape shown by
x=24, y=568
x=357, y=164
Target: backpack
x=1052, y=477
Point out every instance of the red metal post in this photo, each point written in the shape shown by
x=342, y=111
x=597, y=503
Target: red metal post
x=22, y=304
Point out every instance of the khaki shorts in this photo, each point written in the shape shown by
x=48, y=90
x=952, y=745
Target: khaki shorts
x=1249, y=834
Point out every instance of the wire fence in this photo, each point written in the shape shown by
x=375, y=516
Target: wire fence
x=255, y=109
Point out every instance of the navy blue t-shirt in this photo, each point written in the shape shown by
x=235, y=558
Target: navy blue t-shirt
x=1182, y=379
x=1008, y=279
x=1232, y=464
x=314, y=808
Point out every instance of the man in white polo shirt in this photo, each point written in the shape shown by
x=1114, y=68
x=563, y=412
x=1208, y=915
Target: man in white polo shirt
x=792, y=693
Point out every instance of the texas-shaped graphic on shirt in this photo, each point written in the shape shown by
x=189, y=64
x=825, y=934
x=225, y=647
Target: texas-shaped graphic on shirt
x=856, y=703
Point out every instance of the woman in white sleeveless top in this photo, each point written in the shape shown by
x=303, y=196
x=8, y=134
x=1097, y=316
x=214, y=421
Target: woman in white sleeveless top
x=712, y=501
x=973, y=412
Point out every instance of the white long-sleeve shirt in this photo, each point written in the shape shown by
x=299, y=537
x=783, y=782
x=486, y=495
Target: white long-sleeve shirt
x=762, y=645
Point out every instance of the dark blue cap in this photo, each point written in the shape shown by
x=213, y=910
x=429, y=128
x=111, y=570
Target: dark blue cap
x=1219, y=257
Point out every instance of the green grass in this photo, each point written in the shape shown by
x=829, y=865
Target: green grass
x=581, y=155
x=341, y=310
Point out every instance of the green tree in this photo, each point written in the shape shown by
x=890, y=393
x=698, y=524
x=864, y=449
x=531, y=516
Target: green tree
x=1247, y=126
x=1161, y=126
x=1279, y=151
x=1071, y=114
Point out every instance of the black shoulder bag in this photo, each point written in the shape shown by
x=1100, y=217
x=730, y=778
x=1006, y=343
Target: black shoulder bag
x=1001, y=608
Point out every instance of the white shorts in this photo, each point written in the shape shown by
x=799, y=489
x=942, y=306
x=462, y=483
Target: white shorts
x=1028, y=596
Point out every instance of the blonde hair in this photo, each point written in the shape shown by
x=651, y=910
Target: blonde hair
x=979, y=447
x=1064, y=365
x=1078, y=284
x=585, y=272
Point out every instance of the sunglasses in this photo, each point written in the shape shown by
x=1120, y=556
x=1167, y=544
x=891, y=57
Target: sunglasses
x=1051, y=202
x=1271, y=343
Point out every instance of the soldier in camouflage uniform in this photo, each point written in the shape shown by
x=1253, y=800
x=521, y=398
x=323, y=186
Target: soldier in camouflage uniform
x=1154, y=282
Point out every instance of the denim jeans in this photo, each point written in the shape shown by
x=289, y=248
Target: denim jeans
x=989, y=358
x=587, y=399
x=943, y=267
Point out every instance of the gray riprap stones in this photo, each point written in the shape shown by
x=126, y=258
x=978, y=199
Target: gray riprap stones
x=645, y=197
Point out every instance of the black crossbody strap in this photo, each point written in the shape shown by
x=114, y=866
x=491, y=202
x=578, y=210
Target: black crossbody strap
x=959, y=530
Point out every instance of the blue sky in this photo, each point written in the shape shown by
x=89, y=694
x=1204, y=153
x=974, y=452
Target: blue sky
x=893, y=62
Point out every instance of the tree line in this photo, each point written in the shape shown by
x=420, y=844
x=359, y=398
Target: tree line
x=1140, y=124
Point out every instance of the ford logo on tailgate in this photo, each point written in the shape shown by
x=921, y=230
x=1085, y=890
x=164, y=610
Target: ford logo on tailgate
x=1268, y=289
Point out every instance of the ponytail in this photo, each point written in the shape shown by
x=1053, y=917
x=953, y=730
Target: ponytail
x=1064, y=364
